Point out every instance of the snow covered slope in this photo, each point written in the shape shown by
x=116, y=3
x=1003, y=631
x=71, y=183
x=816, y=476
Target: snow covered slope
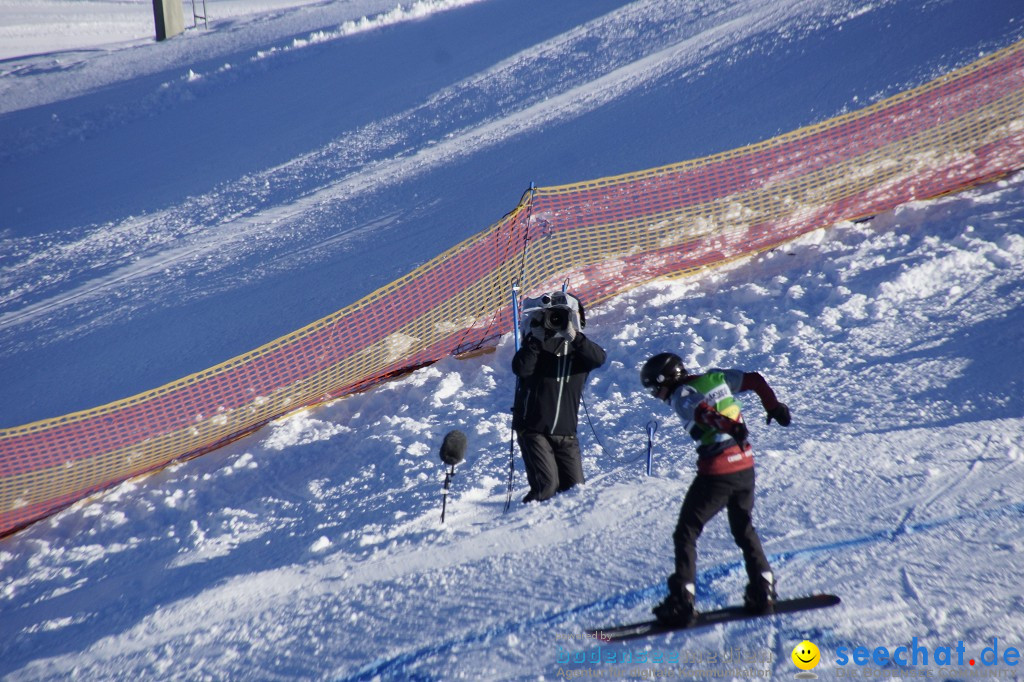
x=308, y=166
x=31, y=27
x=314, y=548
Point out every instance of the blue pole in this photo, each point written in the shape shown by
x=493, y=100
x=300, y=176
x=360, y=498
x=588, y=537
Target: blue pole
x=515, y=315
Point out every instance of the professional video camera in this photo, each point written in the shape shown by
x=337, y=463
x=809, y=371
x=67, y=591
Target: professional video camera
x=554, y=313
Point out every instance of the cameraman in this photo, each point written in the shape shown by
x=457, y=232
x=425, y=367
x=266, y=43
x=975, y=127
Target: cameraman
x=552, y=366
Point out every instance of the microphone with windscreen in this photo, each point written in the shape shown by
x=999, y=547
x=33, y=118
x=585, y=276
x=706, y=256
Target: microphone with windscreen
x=453, y=451
x=453, y=448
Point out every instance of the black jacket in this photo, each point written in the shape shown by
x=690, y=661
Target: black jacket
x=550, y=386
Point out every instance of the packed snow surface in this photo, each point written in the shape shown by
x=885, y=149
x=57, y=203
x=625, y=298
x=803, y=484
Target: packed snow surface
x=322, y=149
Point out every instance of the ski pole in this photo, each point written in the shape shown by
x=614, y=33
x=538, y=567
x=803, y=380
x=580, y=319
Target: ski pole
x=652, y=428
x=511, y=471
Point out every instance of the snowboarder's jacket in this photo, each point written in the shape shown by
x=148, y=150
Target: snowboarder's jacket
x=712, y=417
x=551, y=383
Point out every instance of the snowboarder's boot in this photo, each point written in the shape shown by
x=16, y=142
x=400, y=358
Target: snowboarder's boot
x=677, y=608
x=760, y=595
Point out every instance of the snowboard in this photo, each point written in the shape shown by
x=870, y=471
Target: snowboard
x=709, y=618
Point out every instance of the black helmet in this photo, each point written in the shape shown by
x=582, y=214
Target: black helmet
x=663, y=369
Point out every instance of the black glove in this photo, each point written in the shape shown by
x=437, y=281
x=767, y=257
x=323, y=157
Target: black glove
x=740, y=434
x=779, y=413
x=533, y=343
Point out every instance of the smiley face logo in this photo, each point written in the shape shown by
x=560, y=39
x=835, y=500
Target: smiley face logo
x=806, y=655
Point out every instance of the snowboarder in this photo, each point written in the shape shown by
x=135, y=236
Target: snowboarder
x=725, y=475
x=552, y=366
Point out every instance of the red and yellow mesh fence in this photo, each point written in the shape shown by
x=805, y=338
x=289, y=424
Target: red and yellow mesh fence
x=606, y=235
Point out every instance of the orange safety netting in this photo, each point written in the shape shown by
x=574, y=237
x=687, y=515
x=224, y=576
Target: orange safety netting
x=606, y=235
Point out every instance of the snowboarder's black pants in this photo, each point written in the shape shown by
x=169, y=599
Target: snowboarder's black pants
x=552, y=463
x=706, y=497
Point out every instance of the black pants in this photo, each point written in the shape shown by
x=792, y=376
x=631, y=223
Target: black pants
x=553, y=463
x=705, y=498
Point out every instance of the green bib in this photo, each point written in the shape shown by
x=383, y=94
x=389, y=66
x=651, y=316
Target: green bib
x=716, y=393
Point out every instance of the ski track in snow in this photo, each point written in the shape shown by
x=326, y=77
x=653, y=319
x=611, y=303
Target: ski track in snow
x=289, y=215
x=882, y=337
